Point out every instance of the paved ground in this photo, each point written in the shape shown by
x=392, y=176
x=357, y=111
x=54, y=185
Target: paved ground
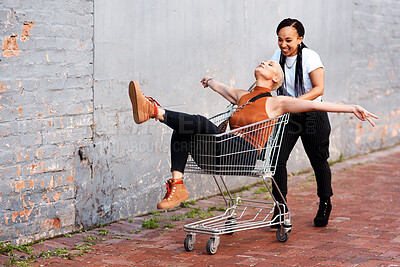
x=364, y=229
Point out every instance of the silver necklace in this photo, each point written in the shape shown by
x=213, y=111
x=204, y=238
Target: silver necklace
x=289, y=67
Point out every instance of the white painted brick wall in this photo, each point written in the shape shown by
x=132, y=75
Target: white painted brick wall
x=46, y=114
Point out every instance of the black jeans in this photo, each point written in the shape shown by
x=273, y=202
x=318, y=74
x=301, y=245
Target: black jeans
x=314, y=129
x=186, y=125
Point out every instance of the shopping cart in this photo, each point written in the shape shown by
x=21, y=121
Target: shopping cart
x=226, y=154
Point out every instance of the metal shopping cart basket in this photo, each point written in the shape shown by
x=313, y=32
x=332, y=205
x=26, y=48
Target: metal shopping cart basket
x=227, y=154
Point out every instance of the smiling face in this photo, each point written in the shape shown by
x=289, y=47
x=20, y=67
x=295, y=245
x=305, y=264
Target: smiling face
x=288, y=41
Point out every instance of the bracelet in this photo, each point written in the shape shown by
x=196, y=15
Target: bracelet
x=209, y=79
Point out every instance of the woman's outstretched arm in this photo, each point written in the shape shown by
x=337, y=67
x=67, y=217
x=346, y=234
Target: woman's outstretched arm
x=277, y=106
x=229, y=93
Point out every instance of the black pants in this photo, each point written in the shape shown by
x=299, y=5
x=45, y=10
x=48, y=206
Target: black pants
x=314, y=129
x=186, y=125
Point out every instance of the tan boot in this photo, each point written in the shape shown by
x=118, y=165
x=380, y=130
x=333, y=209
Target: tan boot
x=176, y=193
x=144, y=108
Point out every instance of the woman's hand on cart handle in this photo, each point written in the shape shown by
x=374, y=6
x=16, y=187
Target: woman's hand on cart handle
x=205, y=81
x=364, y=115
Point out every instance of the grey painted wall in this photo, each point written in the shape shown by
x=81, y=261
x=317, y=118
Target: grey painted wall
x=70, y=153
x=168, y=46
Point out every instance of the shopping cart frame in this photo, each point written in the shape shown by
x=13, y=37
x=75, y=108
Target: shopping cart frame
x=234, y=218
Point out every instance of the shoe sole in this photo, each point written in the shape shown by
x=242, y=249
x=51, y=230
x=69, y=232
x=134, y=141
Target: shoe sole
x=134, y=87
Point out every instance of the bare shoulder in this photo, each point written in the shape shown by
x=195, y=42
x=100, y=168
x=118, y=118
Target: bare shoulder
x=273, y=106
x=240, y=93
x=275, y=100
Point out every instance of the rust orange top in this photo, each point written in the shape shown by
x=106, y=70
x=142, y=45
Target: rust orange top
x=252, y=113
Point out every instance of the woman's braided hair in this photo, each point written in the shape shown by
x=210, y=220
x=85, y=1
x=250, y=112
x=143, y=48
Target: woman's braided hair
x=298, y=84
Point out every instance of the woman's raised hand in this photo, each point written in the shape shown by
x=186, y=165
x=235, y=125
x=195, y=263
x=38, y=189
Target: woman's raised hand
x=364, y=115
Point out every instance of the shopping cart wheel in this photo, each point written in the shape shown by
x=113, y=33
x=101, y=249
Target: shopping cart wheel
x=230, y=225
x=281, y=235
x=212, y=246
x=189, y=243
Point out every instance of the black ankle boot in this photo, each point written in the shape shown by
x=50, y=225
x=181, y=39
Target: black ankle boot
x=323, y=213
x=276, y=220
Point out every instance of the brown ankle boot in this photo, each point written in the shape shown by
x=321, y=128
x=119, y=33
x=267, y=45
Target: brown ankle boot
x=176, y=193
x=144, y=108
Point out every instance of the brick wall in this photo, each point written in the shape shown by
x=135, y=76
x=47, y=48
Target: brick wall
x=375, y=71
x=46, y=113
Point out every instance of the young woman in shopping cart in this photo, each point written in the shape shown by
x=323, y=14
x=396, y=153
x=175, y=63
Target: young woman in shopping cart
x=269, y=76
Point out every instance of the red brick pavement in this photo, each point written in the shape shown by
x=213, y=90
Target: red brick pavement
x=364, y=229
